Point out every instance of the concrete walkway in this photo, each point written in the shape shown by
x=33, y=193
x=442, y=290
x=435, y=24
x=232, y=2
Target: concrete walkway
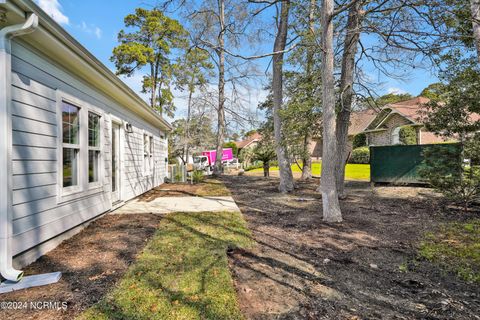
x=162, y=205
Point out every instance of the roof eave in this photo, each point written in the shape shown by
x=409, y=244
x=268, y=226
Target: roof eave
x=124, y=94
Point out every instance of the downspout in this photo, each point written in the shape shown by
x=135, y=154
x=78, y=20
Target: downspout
x=6, y=256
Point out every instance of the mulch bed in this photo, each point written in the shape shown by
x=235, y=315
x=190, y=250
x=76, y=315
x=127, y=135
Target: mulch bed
x=364, y=268
x=209, y=187
x=91, y=263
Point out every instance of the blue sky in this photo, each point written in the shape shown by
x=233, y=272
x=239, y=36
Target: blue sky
x=96, y=24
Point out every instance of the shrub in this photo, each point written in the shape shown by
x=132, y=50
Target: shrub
x=178, y=177
x=443, y=168
x=408, y=135
x=197, y=176
x=359, y=140
x=360, y=155
x=256, y=165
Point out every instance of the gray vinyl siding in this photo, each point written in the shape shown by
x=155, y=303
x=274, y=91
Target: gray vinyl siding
x=38, y=215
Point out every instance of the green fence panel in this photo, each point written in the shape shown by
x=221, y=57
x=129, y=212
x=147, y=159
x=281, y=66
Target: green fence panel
x=400, y=163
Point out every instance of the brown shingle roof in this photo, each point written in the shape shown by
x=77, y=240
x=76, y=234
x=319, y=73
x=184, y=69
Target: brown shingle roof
x=359, y=120
x=251, y=138
x=410, y=109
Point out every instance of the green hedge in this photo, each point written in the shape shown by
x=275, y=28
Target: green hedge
x=360, y=155
x=408, y=135
x=359, y=140
x=259, y=164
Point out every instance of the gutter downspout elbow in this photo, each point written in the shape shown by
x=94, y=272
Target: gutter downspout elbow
x=6, y=255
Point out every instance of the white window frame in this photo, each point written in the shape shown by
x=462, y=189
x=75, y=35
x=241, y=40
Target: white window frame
x=101, y=164
x=395, y=135
x=147, y=139
x=83, y=187
x=151, y=146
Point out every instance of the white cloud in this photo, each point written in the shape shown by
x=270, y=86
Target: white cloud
x=98, y=32
x=396, y=90
x=91, y=29
x=54, y=10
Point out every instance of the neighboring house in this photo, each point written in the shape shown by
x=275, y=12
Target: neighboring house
x=358, y=122
x=250, y=142
x=75, y=141
x=383, y=127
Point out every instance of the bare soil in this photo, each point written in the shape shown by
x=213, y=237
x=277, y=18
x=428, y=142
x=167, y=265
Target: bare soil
x=364, y=268
x=91, y=263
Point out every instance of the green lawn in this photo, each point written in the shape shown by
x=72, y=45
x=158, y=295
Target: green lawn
x=353, y=171
x=182, y=273
x=455, y=247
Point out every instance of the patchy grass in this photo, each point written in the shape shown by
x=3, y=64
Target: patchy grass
x=212, y=187
x=183, y=272
x=456, y=247
x=352, y=171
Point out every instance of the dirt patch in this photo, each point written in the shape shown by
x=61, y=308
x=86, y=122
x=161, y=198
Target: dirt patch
x=210, y=187
x=364, y=268
x=91, y=263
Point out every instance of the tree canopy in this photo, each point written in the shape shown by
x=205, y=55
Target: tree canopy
x=150, y=40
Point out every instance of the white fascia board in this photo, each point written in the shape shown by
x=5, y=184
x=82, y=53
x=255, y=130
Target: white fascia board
x=72, y=55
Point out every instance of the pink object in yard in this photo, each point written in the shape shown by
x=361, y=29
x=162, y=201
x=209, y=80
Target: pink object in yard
x=211, y=155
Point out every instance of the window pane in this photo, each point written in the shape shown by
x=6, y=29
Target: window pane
x=93, y=162
x=70, y=123
x=70, y=167
x=145, y=144
x=93, y=130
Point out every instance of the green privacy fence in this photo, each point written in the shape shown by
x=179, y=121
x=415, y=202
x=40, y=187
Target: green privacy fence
x=400, y=164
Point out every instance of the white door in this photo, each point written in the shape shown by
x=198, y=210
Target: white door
x=115, y=163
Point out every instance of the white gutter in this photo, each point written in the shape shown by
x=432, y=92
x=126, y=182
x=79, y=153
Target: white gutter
x=6, y=34
x=134, y=103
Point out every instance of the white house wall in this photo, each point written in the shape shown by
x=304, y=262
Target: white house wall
x=37, y=214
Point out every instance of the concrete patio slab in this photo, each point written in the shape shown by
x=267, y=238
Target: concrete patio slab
x=162, y=205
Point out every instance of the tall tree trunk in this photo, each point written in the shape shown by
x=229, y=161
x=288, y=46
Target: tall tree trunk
x=266, y=169
x=218, y=168
x=328, y=187
x=153, y=76
x=187, y=127
x=306, y=158
x=475, y=8
x=286, y=176
x=352, y=38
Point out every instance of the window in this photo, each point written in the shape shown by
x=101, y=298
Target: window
x=396, y=136
x=79, y=148
x=147, y=154
x=151, y=153
x=70, y=144
x=93, y=147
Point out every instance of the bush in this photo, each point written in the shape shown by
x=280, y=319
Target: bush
x=443, y=168
x=359, y=140
x=256, y=165
x=408, y=135
x=178, y=177
x=197, y=176
x=360, y=155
